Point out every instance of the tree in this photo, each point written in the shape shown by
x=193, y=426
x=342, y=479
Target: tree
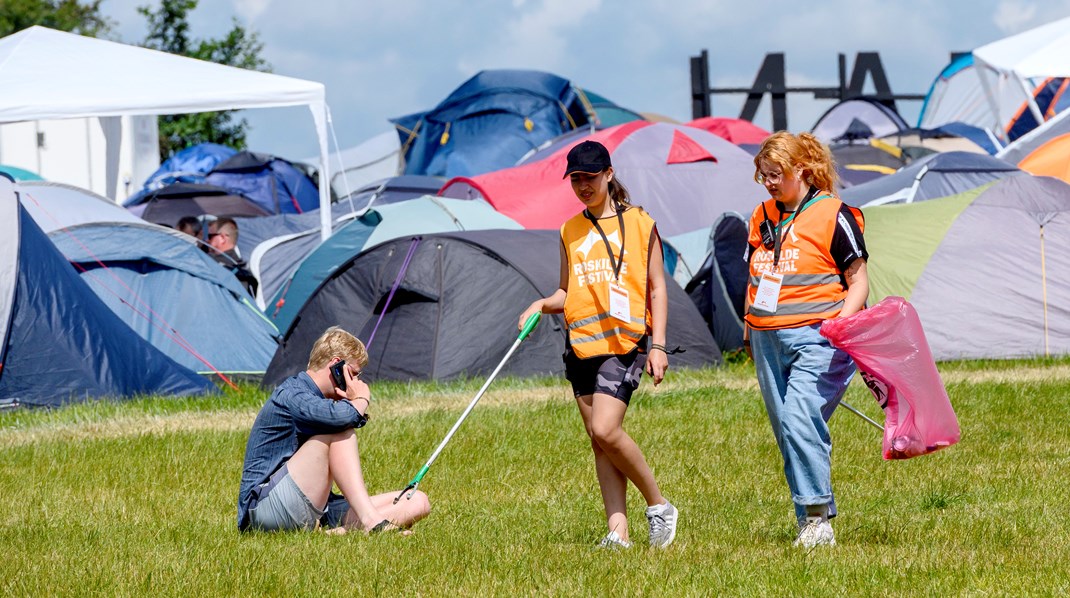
x=169, y=32
x=65, y=15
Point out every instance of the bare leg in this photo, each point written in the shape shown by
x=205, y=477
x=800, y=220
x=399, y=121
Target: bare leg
x=612, y=483
x=333, y=458
x=607, y=417
x=407, y=511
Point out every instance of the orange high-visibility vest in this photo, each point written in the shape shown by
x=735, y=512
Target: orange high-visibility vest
x=591, y=329
x=812, y=290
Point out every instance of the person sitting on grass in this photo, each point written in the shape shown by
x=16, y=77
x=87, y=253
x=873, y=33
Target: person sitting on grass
x=304, y=440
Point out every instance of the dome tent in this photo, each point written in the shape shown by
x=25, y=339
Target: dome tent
x=983, y=268
x=174, y=295
x=58, y=342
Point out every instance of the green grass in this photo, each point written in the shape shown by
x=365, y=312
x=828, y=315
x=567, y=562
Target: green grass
x=138, y=498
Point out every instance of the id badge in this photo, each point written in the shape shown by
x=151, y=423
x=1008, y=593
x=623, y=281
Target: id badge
x=768, y=292
x=619, y=306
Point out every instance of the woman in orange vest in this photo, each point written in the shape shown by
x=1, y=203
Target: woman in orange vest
x=615, y=300
x=807, y=264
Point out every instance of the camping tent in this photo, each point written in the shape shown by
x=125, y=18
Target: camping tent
x=935, y=175
x=880, y=120
x=189, y=165
x=172, y=294
x=1050, y=159
x=58, y=342
x=736, y=130
x=453, y=310
x=955, y=95
x=291, y=268
x=720, y=285
x=58, y=205
x=1028, y=143
x=167, y=205
x=491, y=120
x=1011, y=68
x=683, y=176
x=861, y=161
x=20, y=174
x=983, y=268
x=108, y=80
x=270, y=182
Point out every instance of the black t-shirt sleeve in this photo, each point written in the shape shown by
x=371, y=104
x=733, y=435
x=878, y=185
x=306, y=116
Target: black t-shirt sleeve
x=847, y=242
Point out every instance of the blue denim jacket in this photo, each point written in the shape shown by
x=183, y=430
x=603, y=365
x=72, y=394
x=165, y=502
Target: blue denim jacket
x=296, y=411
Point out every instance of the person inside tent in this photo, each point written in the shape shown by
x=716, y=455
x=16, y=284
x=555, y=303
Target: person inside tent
x=190, y=225
x=304, y=439
x=223, y=239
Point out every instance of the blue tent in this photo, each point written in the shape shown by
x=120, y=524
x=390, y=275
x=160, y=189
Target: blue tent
x=187, y=166
x=493, y=119
x=172, y=294
x=272, y=183
x=58, y=342
x=423, y=215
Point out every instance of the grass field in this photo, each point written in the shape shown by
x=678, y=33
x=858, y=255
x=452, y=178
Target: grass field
x=138, y=498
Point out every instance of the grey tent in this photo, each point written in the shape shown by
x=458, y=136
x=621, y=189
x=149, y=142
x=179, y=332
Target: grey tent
x=935, y=175
x=986, y=269
x=455, y=310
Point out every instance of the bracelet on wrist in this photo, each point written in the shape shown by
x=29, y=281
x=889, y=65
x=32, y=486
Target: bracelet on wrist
x=659, y=347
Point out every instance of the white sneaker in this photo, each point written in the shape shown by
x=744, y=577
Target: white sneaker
x=613, y=541
x=662, y=520
x=815, y=533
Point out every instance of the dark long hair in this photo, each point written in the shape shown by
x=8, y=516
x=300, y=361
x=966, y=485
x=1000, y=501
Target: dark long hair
x=618, y=192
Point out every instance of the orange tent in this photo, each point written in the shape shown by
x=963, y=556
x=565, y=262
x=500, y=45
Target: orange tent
x=1050, y=159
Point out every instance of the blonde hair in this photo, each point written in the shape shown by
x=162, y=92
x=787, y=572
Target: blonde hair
x=788, y=151
x=335, y=342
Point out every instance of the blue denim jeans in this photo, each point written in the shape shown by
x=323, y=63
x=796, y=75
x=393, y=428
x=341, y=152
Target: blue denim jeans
x=802, y=378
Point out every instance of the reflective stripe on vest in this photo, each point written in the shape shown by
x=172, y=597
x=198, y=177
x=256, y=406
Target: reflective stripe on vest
x=599, y=318
x=591, y=329
x=812, y=289
x=802, y=280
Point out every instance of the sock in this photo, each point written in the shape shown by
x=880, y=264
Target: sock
x=817, y=513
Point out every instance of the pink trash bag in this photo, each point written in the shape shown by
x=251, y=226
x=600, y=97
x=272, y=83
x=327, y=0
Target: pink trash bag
x=887, y=343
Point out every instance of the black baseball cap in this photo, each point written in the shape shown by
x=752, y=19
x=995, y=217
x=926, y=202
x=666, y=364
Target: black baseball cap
x=589, y=157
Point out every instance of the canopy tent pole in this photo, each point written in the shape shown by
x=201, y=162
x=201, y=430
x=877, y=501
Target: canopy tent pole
x=1031, y=101
x=321, y=113
x=1044, y=290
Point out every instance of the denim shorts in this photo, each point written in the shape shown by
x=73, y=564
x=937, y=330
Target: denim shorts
x=283, y=507
x=614, y=375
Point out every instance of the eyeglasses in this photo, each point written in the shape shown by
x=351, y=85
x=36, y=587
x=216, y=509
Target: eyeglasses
x=769, y=177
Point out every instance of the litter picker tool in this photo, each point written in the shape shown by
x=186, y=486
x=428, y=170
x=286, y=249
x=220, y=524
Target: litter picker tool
x=862, y=415
x=529, y=325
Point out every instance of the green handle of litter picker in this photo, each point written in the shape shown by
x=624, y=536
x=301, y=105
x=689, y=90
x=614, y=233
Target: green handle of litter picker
x=533, y=321
x=419, y=476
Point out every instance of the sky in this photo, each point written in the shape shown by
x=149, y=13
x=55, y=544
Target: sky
x=381, y=59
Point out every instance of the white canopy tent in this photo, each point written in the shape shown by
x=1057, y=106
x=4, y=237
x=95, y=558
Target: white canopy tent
x=48, y=74
x=1012, y=67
